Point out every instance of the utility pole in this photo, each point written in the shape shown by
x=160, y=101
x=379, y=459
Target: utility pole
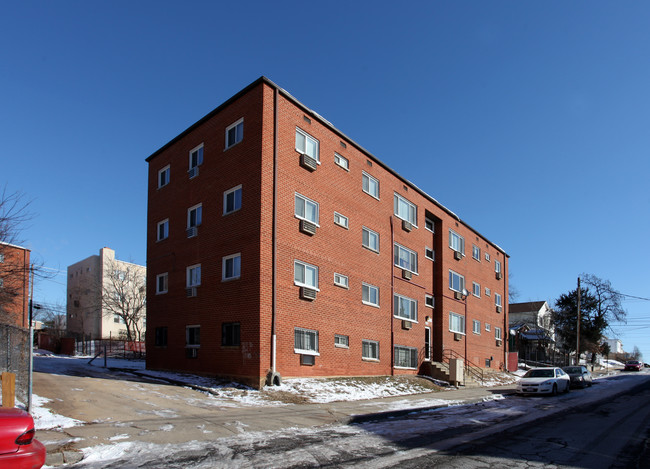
x=578, y=328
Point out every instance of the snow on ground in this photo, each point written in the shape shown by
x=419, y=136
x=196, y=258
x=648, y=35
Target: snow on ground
x=44, y=419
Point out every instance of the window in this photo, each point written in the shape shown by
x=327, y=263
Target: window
x=429, y=301
x=194, y=276
x=341, y=280
x=342, y=341
x=476, y=326
x=487, y=257
x=163, y=176
x=497, y=266
x=427, y=343
x=456, y=323
x=370, y=295
x=231, y=267
x=341, y=220
x=487, y=327
x=192, y=336
x=196, y=157
x=497, y=333
x=161, y=337
x=2, y=283
x=487, y=291
x=406, y=259
x=163, y=230
x=370, y=350
x=476, y=252
x=456, y=281
x=161, y=283
x=230, y=334
x=307, y=145
x=235, y=133
x=476, y=289
x=405, y=308
x=341, y=161
x=232, y=200
x=2, y=258
x=406, y=357
x=370, y=239
x=305, y=341
x=370, y=185
x=116, y=318
x=305, y=275
x=405, y=209
x=429, y=254
x=194, y=216
x=497, y=299
x=306, y=209
x=456, y=242
x=428, y=224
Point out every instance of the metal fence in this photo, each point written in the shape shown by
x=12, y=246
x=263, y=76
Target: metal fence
x=112, y=348
x=14, y=357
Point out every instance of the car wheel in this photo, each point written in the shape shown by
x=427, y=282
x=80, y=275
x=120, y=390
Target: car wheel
x=568, y=385
x=554, y=391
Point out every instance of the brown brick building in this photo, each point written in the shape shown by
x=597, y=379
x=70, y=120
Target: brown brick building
x=14, y=285
x=277, y=244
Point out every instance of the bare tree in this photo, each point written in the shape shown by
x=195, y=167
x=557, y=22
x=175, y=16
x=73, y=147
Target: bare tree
x=124, y=295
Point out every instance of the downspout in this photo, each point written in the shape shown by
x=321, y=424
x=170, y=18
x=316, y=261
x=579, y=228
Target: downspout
x=392, y=298
x=274, y=237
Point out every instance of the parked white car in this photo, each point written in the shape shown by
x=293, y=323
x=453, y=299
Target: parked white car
x=544, y=381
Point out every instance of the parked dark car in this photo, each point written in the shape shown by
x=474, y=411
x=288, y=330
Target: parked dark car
x=633, y=365
x=18, y=447
x=580, y=376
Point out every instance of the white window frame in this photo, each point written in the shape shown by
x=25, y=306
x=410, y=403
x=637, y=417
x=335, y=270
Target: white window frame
x=497, y=299
x=476, y=289
x=199, y=158
x=460, y=319
x=488, y=292
x=476, y=326
x=400, y=204
x=307, y=138
x=452, y=275
x=164, y=276
x=306, y=351
x=367, y=287
x=164, y=223
x=487, y=256
x=232, y=192
x=304, y=267
x=456, y=242
x=341, y=341
x=342, y=161
x=412, y=305
x=341, y=280
x=488, y=327
x=428, y=250
x=428, y=221
x=198, y=208
x=497, y=266
x=341, y=220
x=428, y=297
x=412, y=357
x=497, y=333
x=167, y=171
x=476, y=252
x=187, y=336
x=371, y=235
x=236, y=267
x=369, y=345
x=413, y=258
x=301, y=199
x=190, y=276
x=235, y=126
x=375, y=183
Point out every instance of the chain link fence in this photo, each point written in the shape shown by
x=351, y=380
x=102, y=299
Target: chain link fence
x=14, y=357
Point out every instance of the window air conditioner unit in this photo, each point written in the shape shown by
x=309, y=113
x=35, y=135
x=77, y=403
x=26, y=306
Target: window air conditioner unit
x=406, y=325
x=458, y=255
x=308, y=227
x=499, y=309
x=307, y=293
x=192, y=232
x=193, y=172
x=192, y=352
x=308, y=162
x=458, y=295
x=407, y=274
x=407, y=226
x=307, y=360
x=191, y=292
x=457, y=336
x=498, y=342
x=499, y=275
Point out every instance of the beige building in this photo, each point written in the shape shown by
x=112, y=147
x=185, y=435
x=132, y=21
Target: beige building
x=96, y=285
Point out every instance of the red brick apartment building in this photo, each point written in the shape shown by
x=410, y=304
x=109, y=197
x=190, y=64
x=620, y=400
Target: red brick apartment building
x=14, y=285
x=279, y=247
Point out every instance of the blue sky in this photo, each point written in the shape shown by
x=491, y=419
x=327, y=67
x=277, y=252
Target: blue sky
x=527, y=119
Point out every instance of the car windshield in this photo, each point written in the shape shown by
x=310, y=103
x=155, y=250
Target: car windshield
x=539, y=374
x=573, y=369
x=632, y=362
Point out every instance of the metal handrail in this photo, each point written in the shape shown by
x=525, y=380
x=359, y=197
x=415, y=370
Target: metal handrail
x=470, y=368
